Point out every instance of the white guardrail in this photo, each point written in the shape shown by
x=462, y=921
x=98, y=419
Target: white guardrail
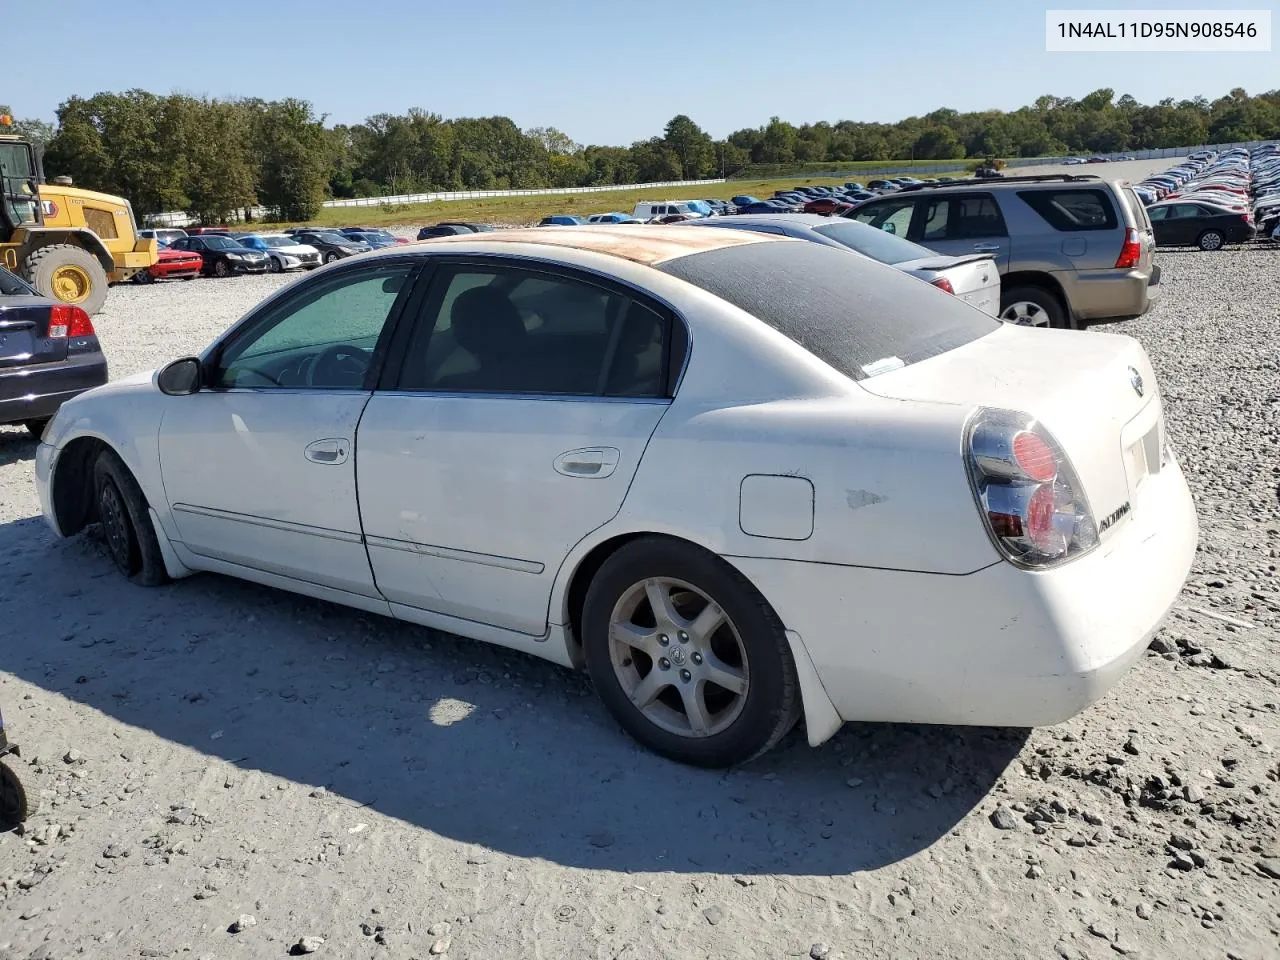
x=179, y=219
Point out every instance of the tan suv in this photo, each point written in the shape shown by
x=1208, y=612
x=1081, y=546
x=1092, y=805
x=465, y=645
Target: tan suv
x=1072, y=250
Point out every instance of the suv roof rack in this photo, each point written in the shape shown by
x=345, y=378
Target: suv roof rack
x=987, y=181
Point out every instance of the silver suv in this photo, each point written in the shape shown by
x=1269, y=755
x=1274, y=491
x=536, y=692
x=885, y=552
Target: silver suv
x=1072, y=250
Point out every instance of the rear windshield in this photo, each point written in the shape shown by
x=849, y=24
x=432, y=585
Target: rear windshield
x=11, y=286
x=876, y=244
x=859, y=317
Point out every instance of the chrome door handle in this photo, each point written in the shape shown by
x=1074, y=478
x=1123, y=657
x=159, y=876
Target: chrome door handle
x=331, y=451
x=987, y=247
x=588, y=462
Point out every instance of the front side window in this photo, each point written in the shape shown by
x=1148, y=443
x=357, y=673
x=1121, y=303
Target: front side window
x=323, y=337
x=503, y=330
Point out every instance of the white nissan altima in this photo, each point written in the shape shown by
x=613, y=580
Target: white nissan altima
x=737, y=478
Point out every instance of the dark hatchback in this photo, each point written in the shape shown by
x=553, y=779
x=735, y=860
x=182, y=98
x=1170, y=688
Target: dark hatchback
x=49, y=353
x=331, y=244
x=224, y=256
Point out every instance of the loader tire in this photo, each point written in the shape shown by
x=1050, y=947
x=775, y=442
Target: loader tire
x=71, y=274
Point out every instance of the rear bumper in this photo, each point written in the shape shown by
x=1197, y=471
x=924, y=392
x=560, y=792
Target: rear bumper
x=1107, y=295
x=32, y=393
x=1001, y=646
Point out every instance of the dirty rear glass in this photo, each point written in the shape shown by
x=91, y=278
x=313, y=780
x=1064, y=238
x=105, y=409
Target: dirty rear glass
x=860, y=317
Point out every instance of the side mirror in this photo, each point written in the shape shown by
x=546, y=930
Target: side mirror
x=180, y=378
x=888, y=227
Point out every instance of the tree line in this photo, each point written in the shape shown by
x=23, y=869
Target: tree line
x=212, y=157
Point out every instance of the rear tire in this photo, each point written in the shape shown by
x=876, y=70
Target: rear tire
x=18, y=802
x=126, y=522
x=1211, y=241
x=36, y=427
x=751, y=652
x=1034, y=306
x=73, y=270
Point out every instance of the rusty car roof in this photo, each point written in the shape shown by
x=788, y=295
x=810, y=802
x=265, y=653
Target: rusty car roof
x=642, y=243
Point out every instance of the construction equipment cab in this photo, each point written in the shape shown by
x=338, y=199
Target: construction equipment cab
x=68, y=243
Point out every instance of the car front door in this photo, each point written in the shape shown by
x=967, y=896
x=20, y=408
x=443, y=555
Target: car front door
x=963, y=224
x=259, y=465
x=523, y=402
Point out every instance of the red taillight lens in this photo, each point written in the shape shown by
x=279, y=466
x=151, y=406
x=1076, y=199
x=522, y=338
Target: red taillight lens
x=66, y=320
x=942, y=283
x=1131, y=252
x=1033, y=503
x=1034, y=457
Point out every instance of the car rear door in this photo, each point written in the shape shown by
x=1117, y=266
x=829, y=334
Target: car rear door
x=524, y=400
x=961, y=224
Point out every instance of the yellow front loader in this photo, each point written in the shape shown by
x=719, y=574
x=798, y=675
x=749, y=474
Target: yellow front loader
x=66, y=242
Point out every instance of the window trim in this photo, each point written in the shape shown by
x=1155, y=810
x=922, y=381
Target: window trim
x=431, y=293
x=249, y=324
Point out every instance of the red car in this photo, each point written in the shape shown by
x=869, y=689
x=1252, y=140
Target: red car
x=827, y=206
x=173, y=264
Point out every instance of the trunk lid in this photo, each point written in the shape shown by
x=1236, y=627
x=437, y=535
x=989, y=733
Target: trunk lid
x=975, y=278
x=1096, y=393
x=24, y=329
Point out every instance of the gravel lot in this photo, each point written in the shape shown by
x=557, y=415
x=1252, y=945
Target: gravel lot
x=221, y=756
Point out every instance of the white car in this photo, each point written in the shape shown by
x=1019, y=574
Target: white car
x=285, y=252
x=736, y=477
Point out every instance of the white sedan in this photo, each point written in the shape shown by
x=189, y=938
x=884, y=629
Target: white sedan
x=738, y=478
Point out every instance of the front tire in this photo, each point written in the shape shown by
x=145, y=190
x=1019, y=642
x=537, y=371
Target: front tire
x=1211, y=241
x=220, y=269
x=277, y=265
x=687, y=656
x=18, y=802
x=70, y=274
x=126, y=522
x=1034, y=307
x=330, y=257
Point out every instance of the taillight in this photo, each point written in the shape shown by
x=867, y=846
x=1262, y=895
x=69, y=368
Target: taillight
x=942, y=283
x=1031, y=500
x=67, y=320
x=1131, y=252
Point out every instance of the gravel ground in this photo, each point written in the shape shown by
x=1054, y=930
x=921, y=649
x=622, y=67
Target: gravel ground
x=231, y=770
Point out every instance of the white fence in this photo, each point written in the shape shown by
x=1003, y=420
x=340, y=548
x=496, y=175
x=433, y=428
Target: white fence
x=178, y=219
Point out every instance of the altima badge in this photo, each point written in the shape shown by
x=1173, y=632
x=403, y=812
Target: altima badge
x=1135, y=379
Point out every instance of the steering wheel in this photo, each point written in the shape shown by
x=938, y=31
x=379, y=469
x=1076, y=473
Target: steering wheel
x=339, y=365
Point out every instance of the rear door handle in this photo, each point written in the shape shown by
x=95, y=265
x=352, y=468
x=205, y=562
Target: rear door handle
x=588, y=462
x=329, y=452
x=987, y=247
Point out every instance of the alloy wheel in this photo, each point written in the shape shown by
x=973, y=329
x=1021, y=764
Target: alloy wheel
x=1025, y=313
x=678, y=657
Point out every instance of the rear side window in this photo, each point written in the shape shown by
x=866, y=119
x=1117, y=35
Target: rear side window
x=860, y=317
x=891, y=216
x=1073, y=210
x=976, y=216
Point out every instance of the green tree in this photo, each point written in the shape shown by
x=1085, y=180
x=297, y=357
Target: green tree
x=691, y=147
x=290, y=144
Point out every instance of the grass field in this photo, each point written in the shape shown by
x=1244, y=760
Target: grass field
x=524, y=210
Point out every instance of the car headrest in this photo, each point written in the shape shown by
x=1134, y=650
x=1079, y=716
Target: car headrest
x=486, y=322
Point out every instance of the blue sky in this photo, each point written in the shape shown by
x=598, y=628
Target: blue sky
x=603, y=72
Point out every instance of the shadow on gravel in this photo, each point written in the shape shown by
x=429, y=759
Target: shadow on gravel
x=16, y=445
x=472, y=742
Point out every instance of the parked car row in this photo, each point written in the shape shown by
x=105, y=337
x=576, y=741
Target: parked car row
x=1212, y=200
x=221, y=252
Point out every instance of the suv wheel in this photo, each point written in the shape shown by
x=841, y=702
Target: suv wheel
x=1033, y=307
x=1211, y=240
